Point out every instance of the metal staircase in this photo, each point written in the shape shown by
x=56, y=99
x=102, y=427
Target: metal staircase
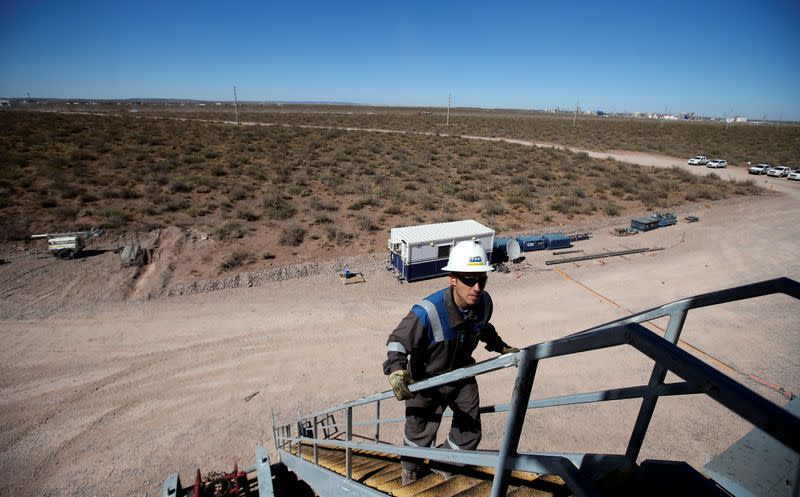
x=323, y=453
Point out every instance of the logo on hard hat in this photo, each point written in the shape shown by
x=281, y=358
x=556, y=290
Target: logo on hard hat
x=475, y=261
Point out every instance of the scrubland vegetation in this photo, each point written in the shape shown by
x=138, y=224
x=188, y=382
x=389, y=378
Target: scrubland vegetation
x=320, y=187
x=737, y=142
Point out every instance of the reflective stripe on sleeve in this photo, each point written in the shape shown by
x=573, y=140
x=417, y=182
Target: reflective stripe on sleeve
x=433, y=318
x=397, y=347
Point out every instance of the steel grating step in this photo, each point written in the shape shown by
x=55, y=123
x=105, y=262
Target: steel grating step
x=382, y=472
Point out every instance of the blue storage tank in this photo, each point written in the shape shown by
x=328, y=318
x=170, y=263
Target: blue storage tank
x=505, y=249
x=557, y=241
x=531, y=242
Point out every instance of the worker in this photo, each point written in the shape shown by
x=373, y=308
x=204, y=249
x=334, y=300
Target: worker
x=439, y=334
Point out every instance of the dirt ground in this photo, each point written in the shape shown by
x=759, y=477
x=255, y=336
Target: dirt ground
x=107, y=393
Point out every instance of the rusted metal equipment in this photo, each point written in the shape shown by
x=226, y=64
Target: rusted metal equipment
x=133, y=255
x=624, y=232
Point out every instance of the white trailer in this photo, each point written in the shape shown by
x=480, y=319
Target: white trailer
x=67, y=245
x=420, y=252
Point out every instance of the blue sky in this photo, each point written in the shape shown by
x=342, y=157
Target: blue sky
x=712, y=58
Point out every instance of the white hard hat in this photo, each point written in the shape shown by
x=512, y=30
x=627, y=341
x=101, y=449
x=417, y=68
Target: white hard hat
x=467, y=257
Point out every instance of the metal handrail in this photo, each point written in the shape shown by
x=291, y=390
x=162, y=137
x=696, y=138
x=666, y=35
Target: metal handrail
x=698, y=377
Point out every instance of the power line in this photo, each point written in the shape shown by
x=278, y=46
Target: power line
x=235, y=105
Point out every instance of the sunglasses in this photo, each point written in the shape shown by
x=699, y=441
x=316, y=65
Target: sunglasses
x=471, y=280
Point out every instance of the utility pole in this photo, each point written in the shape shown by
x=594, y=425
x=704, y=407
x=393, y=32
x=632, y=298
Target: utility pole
x=448, y=110
x=235, y=105
x=575, y=116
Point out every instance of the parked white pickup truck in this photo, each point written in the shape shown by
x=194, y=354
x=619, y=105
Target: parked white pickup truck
x=779, y=171
x=698, y=160
x=759, y=169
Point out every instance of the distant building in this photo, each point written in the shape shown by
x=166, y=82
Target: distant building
x=5, y=103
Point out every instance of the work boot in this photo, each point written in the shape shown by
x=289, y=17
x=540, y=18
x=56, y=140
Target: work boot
x=409, y=476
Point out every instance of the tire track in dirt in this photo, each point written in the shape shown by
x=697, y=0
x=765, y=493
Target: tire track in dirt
x=11, y=283
x=87, y=394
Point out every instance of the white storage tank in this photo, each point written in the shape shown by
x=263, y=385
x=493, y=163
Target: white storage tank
x=420, y=252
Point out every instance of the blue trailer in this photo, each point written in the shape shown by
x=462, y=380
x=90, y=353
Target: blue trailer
x=529, y=243
x=646, y=223
x=556, y=241
x=665, y=219
x=420, y=252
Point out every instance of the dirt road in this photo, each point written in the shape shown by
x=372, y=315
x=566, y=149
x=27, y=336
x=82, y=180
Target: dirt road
x=110, y=397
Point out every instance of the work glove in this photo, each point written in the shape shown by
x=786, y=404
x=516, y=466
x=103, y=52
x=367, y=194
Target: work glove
x=400, y=380
x=508, y=350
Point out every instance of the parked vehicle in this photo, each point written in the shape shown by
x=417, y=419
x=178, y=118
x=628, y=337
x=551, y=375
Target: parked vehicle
x=67, y=245
x=759, y=169
x=795, y=176
x=698, y=160
x=779, y=171
x=717, y=163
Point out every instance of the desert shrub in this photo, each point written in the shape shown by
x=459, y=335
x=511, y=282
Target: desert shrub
x=611, y=209
x=317, y=203
x=236, y=259
x=67, y=190
x=176, y=204
x=179, y=185
x=619, y=183
x=338, y=236
x=468, y=195
x=358, y=205
x=247, y=215
x=56, y=162
x=563, y=206
x=276, y=206
x=493, y=207
x=429, y=202
x=207, y=182
x=322, y=219
x=292, y=235
x=151, y=210
x=129, y=193
x=88, y=197
x=110, y=193
x=237, y=192
x=366, y=223
x=746, y=187
x=192, y=159
x=393, y=210
x=114, y=216
x=83, y=155
x=229, y=231
x=14, y=228
x=65, y=213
